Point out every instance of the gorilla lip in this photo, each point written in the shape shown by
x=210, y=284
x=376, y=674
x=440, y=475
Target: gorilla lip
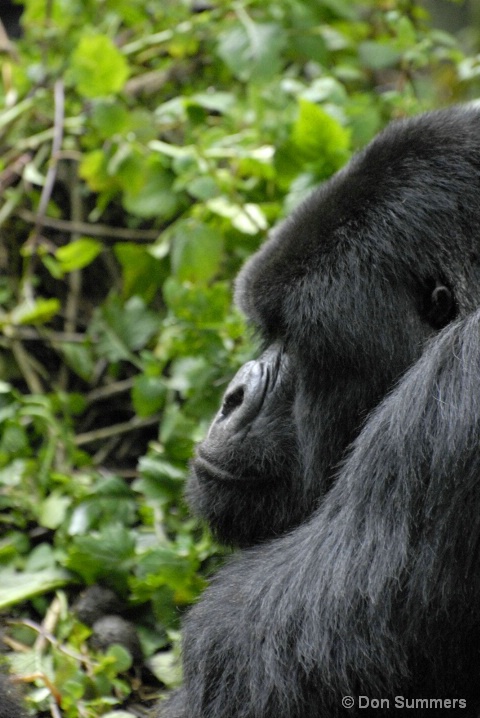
x=205, y=470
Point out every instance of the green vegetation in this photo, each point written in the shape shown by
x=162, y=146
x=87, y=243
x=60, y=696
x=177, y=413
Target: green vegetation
x=145, y=149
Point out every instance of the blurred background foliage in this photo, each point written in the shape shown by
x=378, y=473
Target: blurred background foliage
x=146, y=146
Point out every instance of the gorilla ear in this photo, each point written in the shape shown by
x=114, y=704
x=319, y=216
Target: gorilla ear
x=439, y=305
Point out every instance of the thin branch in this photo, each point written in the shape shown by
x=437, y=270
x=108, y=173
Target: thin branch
x=39, y=629
x=54, y=709
x=106, y=448
x=93, y=230
x=49, y=624
x=108, y=431
x=13, y=172
x=30, y=334
x=106, y=392
x=75, y=278
x=6, y=44
x=40, y=675
x=47, y=190
x=24, y=364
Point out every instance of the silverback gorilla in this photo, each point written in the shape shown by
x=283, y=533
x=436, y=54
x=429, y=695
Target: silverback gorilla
x=346, y=459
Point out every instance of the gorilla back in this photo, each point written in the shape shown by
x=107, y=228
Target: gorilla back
x=347, y=456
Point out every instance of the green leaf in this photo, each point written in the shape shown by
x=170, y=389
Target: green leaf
x=196, y=251
x=166, y=667
x=344, y=8
x=154, y=197
x=80, y=358
x=112, y=501
x=248, y=218
x=406, y=33
x=203, y=307
x=318, y=147
x=18, y=587
x=202, y=188
x=319, y=137
x=119, y=329
x=38, y=311
x=97, y=67
x=164, y=566
x=110, y=119
x=148, y=394
x=106, y=553
x=159, y=478
x=252, y=51
x=379, y=55
x=13, y=439
x=142, y=274
x=78, y=254
x=222, y=102
x=122, y=659
x=93, y=169
x=12, y=545
x=189, y=373
x=53, y=510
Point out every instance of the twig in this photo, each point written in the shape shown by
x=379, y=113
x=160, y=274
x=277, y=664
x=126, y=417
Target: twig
x=149, y=81
x=123, y=428
x=54, y=709
x=30, y=334
x=39, y=675
x=5, y=43
x=38, y=628
x=24, y=364
x=75, y=278
x=106, y=448
x=94, y=230
x=49, y=624
x=47, y=190
x=106, y=392
x=14, y=171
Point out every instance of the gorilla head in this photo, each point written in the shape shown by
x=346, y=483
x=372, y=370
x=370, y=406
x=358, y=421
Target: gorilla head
x=345, y=294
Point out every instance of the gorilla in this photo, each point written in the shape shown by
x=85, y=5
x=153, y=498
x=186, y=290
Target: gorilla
x=345, y=460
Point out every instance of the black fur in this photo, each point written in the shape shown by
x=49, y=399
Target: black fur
x=9, y=700
x=353, y=446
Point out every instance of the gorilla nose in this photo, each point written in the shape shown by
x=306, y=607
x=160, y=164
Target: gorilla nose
x=248, y=395
x=244, y=395
x=241, y=403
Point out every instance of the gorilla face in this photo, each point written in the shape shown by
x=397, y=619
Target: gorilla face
x=247, y=474
x=345, y=294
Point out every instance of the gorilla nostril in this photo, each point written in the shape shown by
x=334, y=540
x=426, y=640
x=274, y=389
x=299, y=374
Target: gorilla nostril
x=232, y=401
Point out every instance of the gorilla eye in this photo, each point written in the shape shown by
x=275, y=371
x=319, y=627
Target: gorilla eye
x=439, y=304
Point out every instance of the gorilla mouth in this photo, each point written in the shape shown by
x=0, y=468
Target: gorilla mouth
x=206, y=470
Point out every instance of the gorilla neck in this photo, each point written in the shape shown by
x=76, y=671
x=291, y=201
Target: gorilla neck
x=328, y=421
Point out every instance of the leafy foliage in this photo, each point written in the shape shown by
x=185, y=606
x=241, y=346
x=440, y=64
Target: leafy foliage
x=145, y=149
